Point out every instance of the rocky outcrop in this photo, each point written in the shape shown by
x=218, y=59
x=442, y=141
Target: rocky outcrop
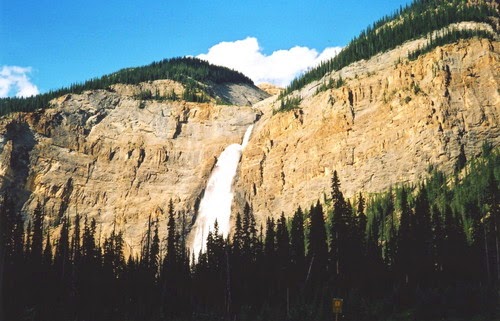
x=270, y=88
x=110, y=156
x=115, y=158
x=390, y=121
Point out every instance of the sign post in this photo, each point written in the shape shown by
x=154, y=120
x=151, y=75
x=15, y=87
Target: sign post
x=337, y=307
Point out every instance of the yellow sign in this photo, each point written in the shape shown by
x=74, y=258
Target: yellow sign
x=337, y=305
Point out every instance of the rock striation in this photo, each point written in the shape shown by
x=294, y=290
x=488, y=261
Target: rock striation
x=109, y=155
x=387, y=124
x=112, y=157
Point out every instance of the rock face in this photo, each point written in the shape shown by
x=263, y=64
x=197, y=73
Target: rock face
x=388, y=123
x=118, y=159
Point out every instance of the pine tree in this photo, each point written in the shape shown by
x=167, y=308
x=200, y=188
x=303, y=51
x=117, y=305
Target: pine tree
x=154, y=253
x=76, y=241
x=171, y=257
x=12, y=256
x=405, y=242
x=297, y=246
x=362, y=222
x=47, y=252
x=317, y=251
x=297, y=255
x=283, y=256
x=342, y=231
x=170, y=270
x=113, y=259
x=62, y=255
x=89, y=247
x=37, y=235
x=27, y=243
x=282, y=243
x=145, y=255
x=454, y=243
x=249, y=237
x=438, y=238
x=270, y=240
x=237, y=244
x=422, y=231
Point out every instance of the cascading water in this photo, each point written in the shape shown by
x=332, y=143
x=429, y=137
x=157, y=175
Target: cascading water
x=216, y=203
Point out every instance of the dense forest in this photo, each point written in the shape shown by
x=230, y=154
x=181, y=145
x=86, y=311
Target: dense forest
x=191, y=72
x=449, y=36
x=413, y=21
x=428, y=251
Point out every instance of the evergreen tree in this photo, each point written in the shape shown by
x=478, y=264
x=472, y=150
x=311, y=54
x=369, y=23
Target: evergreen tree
x=154, y=253
x=76, y=240
x=145, y=255
x=47, y=252
x=12, y=256
x=283, y=257
x=282, y=244
x=454, y=243
x=270, y=240
x=62, y=255
x=171, y=268
x=249, y=237
x=342, y=247
x=37, y=235
x=171, y=258
x=317, y=251
x=438, y=238
x=422, y=231
x=90, y=252
x=27, y=243
x=405, y=245
x=297, y=247
x=237, y=244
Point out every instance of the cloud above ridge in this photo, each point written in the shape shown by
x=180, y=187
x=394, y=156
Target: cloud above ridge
x=15, y=79
x=278, y=68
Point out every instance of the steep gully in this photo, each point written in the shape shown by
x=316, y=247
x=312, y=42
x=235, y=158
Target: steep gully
x=215, y=205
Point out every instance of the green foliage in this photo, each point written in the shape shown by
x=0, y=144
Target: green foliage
x=449, y=36
x=289, y=103
x=413, y=21
x=419, y=252
x=193, y=94
x=332, y=84
x=191, y=72
x=144, y=95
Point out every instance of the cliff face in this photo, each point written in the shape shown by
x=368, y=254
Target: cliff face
x=115, y=158
x=112, y=157
x=388, y=123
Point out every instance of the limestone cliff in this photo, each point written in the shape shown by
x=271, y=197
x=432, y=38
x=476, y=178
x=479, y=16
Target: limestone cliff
x=390, y=120
x=113, y=157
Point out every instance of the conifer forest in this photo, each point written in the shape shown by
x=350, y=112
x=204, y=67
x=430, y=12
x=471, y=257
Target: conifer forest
x=426, y=252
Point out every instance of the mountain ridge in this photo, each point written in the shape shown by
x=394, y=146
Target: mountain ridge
x=119, y=154
x=387, y=124
x=196, y=75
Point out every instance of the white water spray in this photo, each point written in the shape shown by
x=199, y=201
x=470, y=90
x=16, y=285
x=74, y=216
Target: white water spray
x=216, y=203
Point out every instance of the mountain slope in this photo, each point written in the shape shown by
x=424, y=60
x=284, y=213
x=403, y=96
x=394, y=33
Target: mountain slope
x=112, y=156
x=118, y=153
x=388, y=123
x=416, y=20
x=201, y=80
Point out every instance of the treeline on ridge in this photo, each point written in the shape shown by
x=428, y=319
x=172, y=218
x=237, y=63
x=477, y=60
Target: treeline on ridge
x=187, y=70
x=428, y=251
x=413, y=21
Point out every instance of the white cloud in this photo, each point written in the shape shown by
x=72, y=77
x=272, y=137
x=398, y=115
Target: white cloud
x=15, y=79
x=278, y=68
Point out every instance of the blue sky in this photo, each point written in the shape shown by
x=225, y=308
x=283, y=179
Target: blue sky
x=49, y=44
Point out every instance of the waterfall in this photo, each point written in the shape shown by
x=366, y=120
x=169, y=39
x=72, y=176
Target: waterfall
x=218, y=198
